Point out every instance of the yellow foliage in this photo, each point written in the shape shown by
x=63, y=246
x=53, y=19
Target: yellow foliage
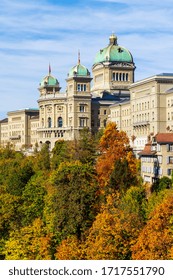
x=112, y=234
x=155, y=241
x=69, y=249
x=33, y=244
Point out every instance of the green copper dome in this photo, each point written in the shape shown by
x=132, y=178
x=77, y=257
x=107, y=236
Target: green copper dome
x=78, y=71
x=49, y=80
x=113, y=53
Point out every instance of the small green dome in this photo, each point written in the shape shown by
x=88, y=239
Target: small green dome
x=113, y=53
x=49, y=80
x=78, y=71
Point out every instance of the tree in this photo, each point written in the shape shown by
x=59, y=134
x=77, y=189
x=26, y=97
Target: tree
x=134, y=202
x=113, y=232
x=7, y=152
x=32, y=200
x=155, y=241
x=75, y=198
x=69, y=249
x=18, y=174
x=162, y=183
x=42, y=161
x=86, y=147
x=114, y=145
x=8, y=215
x=119, y=175
x=60, y=153
x=29, y=243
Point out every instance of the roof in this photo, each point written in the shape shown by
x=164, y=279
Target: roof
x=49, y=80
x=164, y=138
x=78, y=70
x=170, y=90
x=147, y=150
x=113, y=53
x=4, y=120
x=30, y=110
x=162, y=77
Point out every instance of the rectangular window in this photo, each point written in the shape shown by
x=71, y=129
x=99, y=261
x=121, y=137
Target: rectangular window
x=105, y=112
x=171, y=148
x=170, y=160
x=160, y=159
x=169, y=172
x=81, y=87
x=82, y=122
x=78, y=87
x=82, y=108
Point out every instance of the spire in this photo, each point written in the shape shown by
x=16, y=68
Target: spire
x=78, y=56
x=49, y=69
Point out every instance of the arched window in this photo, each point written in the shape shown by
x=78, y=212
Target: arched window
x=49, y=122
x=60, y=122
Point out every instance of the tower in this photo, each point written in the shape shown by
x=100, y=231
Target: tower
x=79, y=98
x=113, y=69
x=52, y=111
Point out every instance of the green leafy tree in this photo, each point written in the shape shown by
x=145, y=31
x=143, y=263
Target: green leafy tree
x=60, y=153
x=119, y=175
x=75, y=198
x=86, y=147
x=32, y=200
x=18, y=174
x=42, y=159
x=162, y=183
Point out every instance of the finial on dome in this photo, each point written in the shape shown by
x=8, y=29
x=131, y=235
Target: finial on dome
x=49, y=69
x=78, y=56
x=113, y=39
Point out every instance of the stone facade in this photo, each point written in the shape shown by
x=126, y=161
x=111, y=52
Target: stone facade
x=149, y=110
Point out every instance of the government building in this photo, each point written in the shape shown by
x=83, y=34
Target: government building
x=110, y=93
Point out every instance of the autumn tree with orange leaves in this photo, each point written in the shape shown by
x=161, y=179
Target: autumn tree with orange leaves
x=114, y=147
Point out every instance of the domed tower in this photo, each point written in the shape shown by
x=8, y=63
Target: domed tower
x=49, y=85
x=52, y=111
x=113, y=68
x=79, y=98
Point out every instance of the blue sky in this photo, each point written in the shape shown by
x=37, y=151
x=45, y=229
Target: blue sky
x=34, y=33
